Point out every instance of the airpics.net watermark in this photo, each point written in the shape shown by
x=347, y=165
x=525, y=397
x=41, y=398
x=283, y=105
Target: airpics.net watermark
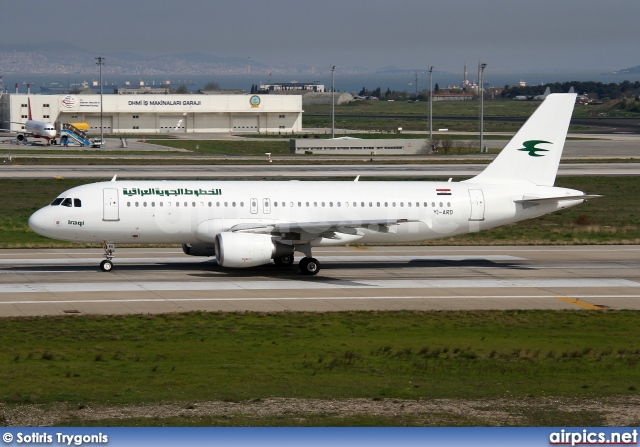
x=589, y=437
x=54, y=439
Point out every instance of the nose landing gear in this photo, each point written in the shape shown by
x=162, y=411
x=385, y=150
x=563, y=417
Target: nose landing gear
x=109, y=250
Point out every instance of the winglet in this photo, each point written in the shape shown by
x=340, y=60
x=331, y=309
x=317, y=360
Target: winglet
x=357, y=178
x=114, y=178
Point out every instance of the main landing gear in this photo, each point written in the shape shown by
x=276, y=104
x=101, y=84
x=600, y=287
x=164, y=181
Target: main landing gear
x=284, y=261
x=309, y=266
x=109, y=250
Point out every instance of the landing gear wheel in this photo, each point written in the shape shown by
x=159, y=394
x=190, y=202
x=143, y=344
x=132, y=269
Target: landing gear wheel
x=284, y=261
x=106, y=265
x=309, y=266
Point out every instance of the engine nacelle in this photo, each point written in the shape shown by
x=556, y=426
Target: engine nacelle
x=21, y=137
x=244, y=249
x=199, y=249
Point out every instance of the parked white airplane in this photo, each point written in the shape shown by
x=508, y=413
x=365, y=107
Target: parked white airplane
x=36, y=129
x=249, y=223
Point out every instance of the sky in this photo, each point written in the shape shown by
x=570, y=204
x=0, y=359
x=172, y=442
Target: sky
x=508, y=35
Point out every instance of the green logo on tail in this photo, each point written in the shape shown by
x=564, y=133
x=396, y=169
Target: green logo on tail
x=530, y=146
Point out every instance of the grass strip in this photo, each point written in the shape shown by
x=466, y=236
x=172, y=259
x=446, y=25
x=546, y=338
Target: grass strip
x=235, y=357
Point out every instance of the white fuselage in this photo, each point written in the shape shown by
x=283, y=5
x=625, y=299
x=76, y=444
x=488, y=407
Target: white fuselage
x=196, y=211
x=40, y=129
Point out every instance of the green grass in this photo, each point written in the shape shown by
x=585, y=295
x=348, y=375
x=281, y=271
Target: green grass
x=223, y=147
x=234, y=357
x=613, y=219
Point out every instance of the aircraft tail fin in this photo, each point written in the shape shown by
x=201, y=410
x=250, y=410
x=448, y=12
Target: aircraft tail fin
x=533, y=154
x=29, y=106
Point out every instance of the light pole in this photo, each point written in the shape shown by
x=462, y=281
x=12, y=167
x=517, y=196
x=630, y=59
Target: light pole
x=481, y=90
x=100, y=63
x=430, y=105
x=333, y=129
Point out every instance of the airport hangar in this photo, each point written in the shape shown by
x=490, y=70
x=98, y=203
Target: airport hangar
x=154, y=113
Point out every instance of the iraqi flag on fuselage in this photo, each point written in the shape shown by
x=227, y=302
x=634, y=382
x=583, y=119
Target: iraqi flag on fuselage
x=443, y=191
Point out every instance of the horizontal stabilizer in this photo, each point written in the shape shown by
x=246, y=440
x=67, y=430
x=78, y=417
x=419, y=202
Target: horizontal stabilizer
x=528, y=202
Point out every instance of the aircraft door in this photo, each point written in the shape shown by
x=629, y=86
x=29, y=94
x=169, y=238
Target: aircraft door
x=477, y=204
x=254, y=206
x=110, y=200
x=266, y=206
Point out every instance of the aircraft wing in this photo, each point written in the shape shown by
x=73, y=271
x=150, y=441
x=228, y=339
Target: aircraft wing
x=315, y=227
x=24, y=132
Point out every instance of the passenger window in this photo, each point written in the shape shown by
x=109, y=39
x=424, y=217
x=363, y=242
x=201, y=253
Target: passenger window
x=57, y=202
x=129, y=204
x=66, y=202
x=77, y=203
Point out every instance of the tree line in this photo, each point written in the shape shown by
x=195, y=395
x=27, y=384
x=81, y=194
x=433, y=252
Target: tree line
x=595, y=90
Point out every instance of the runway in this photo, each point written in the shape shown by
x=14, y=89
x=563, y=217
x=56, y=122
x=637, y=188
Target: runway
x=68, y=281
x=274, y=171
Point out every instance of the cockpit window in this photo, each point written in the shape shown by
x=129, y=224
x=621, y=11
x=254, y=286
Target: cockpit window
x=66, y=202
x=57, y=202
x=77, y=203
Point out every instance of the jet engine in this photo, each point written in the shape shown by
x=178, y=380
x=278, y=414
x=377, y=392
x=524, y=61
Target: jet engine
x=21, y=137
x=247, y=249
x=199, y=249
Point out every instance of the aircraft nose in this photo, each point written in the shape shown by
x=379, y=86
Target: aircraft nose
x=38, y=222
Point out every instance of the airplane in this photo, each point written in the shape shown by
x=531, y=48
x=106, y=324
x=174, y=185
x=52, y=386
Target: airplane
x=250, y=223
x=34, y=128
x=542, y=97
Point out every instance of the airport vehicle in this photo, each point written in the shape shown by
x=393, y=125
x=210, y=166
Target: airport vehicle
x=250, y=223
x=97, y=142
x=36, y=129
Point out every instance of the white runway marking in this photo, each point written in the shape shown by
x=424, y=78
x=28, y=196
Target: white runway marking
x=312, y=284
